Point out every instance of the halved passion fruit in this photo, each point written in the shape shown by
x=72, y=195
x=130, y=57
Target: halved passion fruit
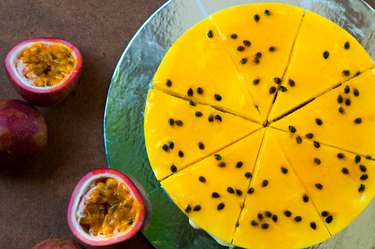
x=44, y=71
x=105, y=208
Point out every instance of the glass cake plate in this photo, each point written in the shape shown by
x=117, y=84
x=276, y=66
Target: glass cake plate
x=167, y=226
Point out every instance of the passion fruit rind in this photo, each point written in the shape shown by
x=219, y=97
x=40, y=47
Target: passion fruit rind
x=105, y=208
x=57, y=244
x=42, y=94
x=23, y=132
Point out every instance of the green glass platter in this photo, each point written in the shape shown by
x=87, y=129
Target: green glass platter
x=167, y=226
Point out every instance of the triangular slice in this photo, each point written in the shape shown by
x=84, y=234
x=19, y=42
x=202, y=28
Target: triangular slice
x=278, y=212
x=199, y=68
x=179, y=132
x=343, y=117
x=340, y=184
x=260, y=38
x=212, y=191
x=323, y=56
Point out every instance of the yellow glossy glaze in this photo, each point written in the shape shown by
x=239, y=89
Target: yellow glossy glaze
x=338, y=129
x=309, y=70
x=214, y=135
x=283, y=192
x=339, y=195
x=197, y=61
x=185, y=188
x=278, y=29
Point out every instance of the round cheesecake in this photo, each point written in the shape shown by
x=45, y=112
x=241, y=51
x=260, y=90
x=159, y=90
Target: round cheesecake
x=260, y=126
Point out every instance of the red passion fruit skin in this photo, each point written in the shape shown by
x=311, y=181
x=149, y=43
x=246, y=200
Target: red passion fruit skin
x=23, y=131
x=57, y=244
x=82, y=187
x=42, y=96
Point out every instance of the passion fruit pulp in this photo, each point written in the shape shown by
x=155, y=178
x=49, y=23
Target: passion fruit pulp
x=105, y=208
x=44, y=71
x=45, y=64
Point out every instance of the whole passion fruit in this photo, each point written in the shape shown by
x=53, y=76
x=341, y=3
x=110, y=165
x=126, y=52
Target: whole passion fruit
x=44, y=71
x=105, y=208
x=57, y=244
x=23, y=131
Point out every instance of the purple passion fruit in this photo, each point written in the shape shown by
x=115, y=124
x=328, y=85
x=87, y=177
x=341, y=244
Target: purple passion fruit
x=44, y=71
x=57, y=244
x=23, y=131
x=105, y=208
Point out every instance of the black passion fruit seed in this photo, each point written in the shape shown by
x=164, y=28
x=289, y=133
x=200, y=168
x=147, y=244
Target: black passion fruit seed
x=313, y=225
x=346, y=72
x=168, y=83
x=292, y=129
x=218, y=97
x=264, y=183
x=284, y=170
x=298, y=219
x=256, y=17
x=190, y=92
x=347, y=45
x=345, y=171
x=246, y=43
x=324, y=213
x=318, y=186
x=265, y=226
x=197, y=208
x=291, y=83
x=283, y=89
x=318, y=121
x=220, y=206
x=173, y=168
x=239, y=164
x=272, y=90
x=329, y=219
x=230, y=190
x=299, y=140
x=287, y=213
x=250, y=191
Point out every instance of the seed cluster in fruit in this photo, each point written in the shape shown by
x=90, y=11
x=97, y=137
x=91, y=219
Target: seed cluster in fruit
x=45, y=64
x=108, y=208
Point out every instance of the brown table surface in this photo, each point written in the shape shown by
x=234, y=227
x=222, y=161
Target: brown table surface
x=34, y=198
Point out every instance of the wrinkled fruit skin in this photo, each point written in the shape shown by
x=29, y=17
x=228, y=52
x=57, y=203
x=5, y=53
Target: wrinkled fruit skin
x=57, y=244
x=77, y=194
x=43, y=96
x=23, y=131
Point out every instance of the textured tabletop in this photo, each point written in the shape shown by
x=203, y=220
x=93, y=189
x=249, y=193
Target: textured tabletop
x=34, y=197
